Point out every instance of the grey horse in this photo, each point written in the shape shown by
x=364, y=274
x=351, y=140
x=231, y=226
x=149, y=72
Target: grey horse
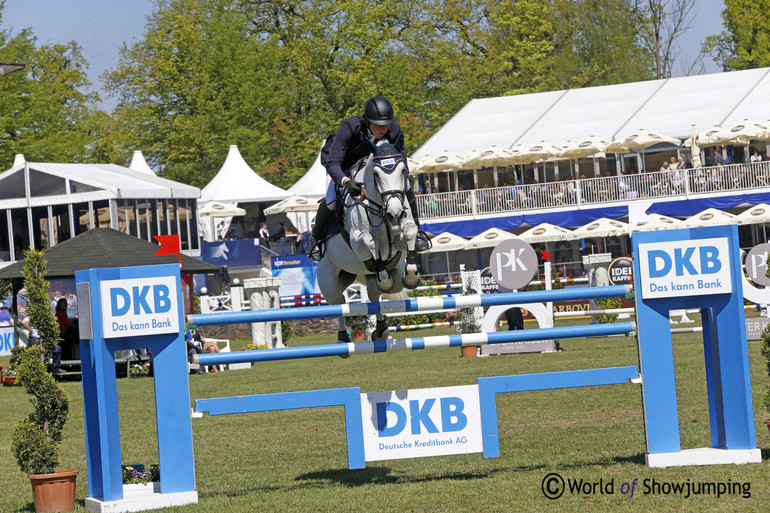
x=380, y=252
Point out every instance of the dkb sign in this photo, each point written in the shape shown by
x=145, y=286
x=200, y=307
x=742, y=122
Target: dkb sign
x=425, y=422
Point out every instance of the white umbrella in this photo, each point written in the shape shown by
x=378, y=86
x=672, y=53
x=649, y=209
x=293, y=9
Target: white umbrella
x=656, y=222
x=583, y=148
x=640, y=140
x=217, y=209
x=754, y=215
x=602, y=227
x=529, y=154
x=293, y=204
x=714, y=136
x=710, y=217
x=446, y=242
x=745, y=132
x=545, y=232
x=445, y=161
x=695, y=149
x=490, y=238
x=490, y=157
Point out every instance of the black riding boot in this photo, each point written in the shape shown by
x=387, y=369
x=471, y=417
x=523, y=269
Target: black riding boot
x=423, y=243
x=322, y=219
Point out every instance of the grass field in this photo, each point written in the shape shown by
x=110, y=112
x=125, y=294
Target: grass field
x=297, y=460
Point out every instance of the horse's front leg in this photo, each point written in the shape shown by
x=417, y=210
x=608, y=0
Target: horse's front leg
x=381, y=330
x=343, y=337
x=367, y=248
x=411, y=277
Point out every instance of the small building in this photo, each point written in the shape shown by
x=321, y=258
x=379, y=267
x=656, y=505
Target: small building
x=42, y=204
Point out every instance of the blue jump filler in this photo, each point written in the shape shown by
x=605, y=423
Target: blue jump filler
x=134, y=308
x=694, y=268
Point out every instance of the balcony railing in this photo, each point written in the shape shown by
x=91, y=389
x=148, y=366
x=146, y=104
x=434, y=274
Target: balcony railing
x=683, y=183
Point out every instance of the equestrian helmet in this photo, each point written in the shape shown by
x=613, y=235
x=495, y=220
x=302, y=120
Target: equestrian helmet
x=379, y=111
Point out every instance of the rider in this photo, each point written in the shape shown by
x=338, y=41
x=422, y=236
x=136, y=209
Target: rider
x=355, y=140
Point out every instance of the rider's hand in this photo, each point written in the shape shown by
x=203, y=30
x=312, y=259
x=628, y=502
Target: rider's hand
x=353, y=187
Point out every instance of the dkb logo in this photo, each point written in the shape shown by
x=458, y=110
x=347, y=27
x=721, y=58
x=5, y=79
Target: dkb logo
x=451, y=409
x=121, y=300
x=136, y=307
x=685, y=268
x=422, y=422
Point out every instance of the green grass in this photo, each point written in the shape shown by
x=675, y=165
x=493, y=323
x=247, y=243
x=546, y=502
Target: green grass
x=297, y=460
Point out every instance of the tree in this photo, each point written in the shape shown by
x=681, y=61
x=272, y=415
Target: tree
x=745, y=42
x=666, y=22
x=45, y=108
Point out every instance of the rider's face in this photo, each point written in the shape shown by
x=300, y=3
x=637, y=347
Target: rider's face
x=378, y=131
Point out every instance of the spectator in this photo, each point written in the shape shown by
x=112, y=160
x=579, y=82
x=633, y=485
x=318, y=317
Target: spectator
x=264, y=236
x=515, y=318
x=427, y=188
x=281, y=237
x=5, y=316
x=756, y=157
x=718, y=159
x=69, y=335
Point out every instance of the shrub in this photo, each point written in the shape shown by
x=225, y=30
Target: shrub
x=416, y=318
x=607, y=303
x=34, y=441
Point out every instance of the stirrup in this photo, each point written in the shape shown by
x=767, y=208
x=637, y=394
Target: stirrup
x=317, y=250
x=422, y=243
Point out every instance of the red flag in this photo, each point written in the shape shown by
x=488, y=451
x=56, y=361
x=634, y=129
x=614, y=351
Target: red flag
x=169, y=245
x=545, y=255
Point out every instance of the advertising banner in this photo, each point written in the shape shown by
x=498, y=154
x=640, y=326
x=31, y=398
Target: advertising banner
x=7, y=340
x=298, y=275
x=423, y=422
x=685, y=268
x=141, y=306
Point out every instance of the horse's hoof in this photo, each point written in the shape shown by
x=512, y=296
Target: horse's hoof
x=410, y=281
x=343, y=337
x=385, y=286
x=381, y=331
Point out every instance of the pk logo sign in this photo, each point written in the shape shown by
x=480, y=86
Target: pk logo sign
x=685, y=268
x=513, y=263
x=425, y=422
x=137, y=307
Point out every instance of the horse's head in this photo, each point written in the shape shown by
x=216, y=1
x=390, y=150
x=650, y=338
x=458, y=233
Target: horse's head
x=385, y=181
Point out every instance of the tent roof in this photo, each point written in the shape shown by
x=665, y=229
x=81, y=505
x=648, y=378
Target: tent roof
x=314, y=183
x=139, y=164
x=104, y=247
x=95, y=182
x=669, y=107
x=237, y=182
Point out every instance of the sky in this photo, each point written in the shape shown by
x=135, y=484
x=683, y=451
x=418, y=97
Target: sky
x=103, y=26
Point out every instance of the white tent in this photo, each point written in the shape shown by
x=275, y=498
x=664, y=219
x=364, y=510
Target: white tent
x=315, y=181
x=236, y=182
x=669, y=107
x=139, y=164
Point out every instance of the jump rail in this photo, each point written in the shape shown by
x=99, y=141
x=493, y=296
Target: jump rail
x=409, y=305
x=412, y=344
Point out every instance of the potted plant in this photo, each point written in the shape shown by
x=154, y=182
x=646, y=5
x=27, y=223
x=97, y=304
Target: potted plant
x=358, y=325
x=9, y=377
x=35, y=440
